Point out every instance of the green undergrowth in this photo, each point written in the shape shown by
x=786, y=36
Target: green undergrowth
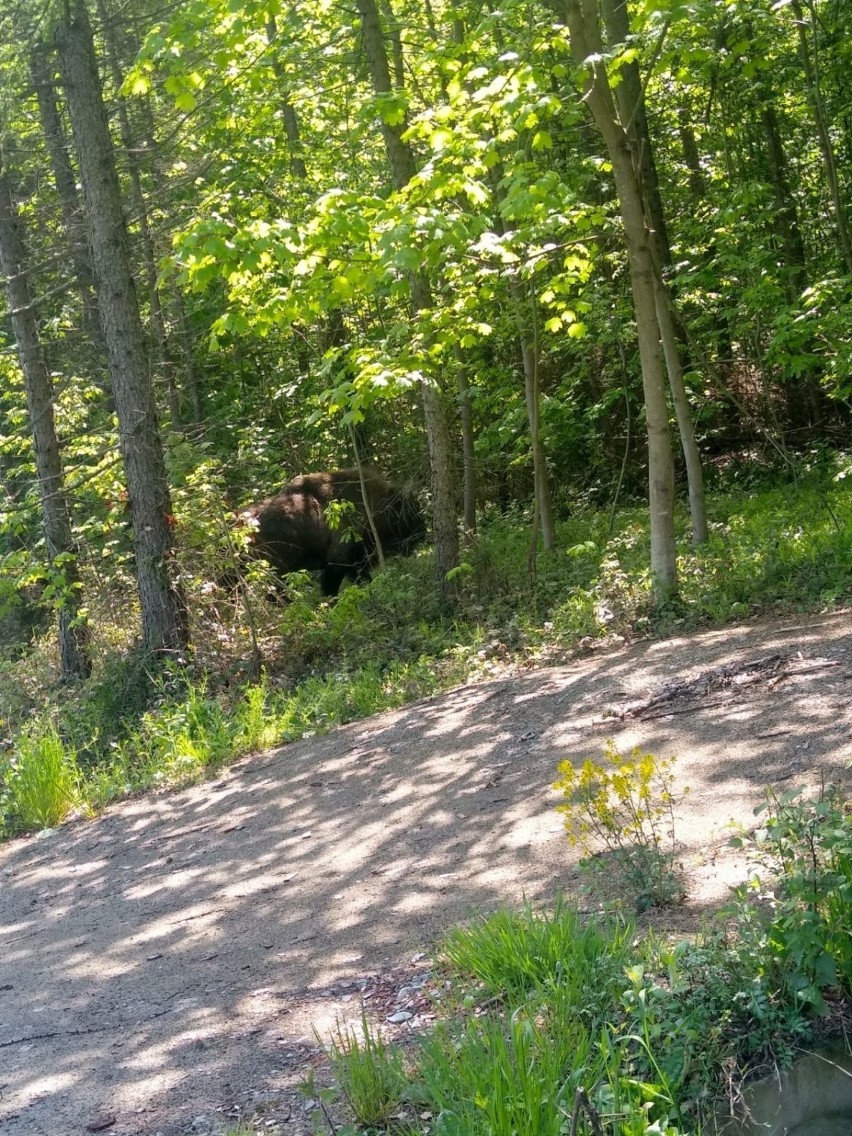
x=186, y=732
x=555, y=1023
x=381, y=645
x=549, y=1024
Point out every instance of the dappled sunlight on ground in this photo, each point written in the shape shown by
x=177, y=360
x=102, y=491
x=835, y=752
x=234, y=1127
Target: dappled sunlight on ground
x=154, y=963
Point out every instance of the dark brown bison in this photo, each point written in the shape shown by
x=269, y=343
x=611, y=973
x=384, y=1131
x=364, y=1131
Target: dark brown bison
x=292, y=530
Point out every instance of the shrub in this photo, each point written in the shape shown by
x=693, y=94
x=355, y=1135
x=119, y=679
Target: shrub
x=799, y=899
x=624, y=811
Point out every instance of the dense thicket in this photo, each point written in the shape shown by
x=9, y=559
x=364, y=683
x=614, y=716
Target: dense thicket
x=508, y=255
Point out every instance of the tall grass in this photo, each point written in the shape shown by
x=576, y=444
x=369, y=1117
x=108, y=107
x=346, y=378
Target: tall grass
x=553, y=1026
x=42, y=780
x=553, y=1052
x=369, y=1071
x=512, y=953
x=516, y=1077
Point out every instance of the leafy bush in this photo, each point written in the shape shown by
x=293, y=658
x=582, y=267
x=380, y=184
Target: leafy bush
x=797, y=906
x=624, y=810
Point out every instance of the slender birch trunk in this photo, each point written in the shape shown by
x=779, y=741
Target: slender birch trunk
x=630, y=100
x=583, y=19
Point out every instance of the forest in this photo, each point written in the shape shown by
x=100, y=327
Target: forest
x=573, y=277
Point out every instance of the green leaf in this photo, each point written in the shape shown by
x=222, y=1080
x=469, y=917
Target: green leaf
x=439, y=139
x=136, y=84
x=341, y=288
x=186, y=101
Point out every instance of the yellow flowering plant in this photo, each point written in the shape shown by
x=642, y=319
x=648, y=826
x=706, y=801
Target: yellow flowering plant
x=621, y=812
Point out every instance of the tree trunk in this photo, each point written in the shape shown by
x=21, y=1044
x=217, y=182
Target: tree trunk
x=164, y=616
x=698, y=193
x=395, y=36
x=174, y=302
x=697, y=181
x=403, y=168
x=528, y=352
x=400, y=155
x=41, y=73
x=61, y=554
x=683, y=414
x=634, y=122
x=442, y=467
x=468, y=445
x=785, y=219
x=810, y=67
x=529, y=362
x=586, y=45
x=288, y=112
x=163, y=361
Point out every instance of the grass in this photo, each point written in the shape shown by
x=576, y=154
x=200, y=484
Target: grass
x=371, y=1073
x=551, y=1024
x=511, y=954
x=380, y=646
x=41, y=782
x=518, y=1075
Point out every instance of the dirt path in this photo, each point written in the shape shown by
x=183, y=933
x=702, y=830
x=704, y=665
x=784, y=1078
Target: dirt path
x=162, y=968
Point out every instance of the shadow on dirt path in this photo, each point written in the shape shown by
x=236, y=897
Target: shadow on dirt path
x=164, y=965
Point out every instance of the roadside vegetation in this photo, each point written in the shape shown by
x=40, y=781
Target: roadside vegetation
x=551, y=1023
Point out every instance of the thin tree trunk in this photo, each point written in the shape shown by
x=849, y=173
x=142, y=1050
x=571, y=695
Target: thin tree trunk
x=163, y=358
x=586, y=45
x=41, y=73
x=528, y=352
x=298, y=168
x=683, y=413
x=164, y=617
x=174, y=301
x=634, y=122
x=697, y=181
x=288, y=112
x=810, y=67
x=785, y=218
x=698, y=193
x=468, y=445
x=61, y=554
x=529, y=361
x=441, y=464
x=403, y=168
x=395, y=37
x=631, y=102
